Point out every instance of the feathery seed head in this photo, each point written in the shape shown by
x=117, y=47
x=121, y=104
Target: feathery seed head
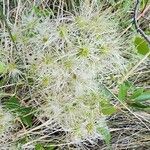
x=64, y=56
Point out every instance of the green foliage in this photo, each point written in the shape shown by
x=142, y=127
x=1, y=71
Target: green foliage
x=133, y=97
x=25, y=113
x=143, y=97
x=137, y=105
x=123, y=88
x=137, y=93
x=105, y=134
x=107, y=108
x=41, y=147
x=141, y=45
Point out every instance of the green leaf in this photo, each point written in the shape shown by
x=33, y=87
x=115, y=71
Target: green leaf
x=47, y=147
x=141, y=45
x=12, y=104
x=137, y=93
x=22, y=140
x=2, y=68
x=25, y=113
x=123, y=89
x=107, y=108
x=25, y=110
x=143, y=97
x=27, y=120
x=105, y=134
x=138, y=105
x=39, y=147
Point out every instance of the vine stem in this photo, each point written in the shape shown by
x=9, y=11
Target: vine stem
x=139, y=30
x=141, y=15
